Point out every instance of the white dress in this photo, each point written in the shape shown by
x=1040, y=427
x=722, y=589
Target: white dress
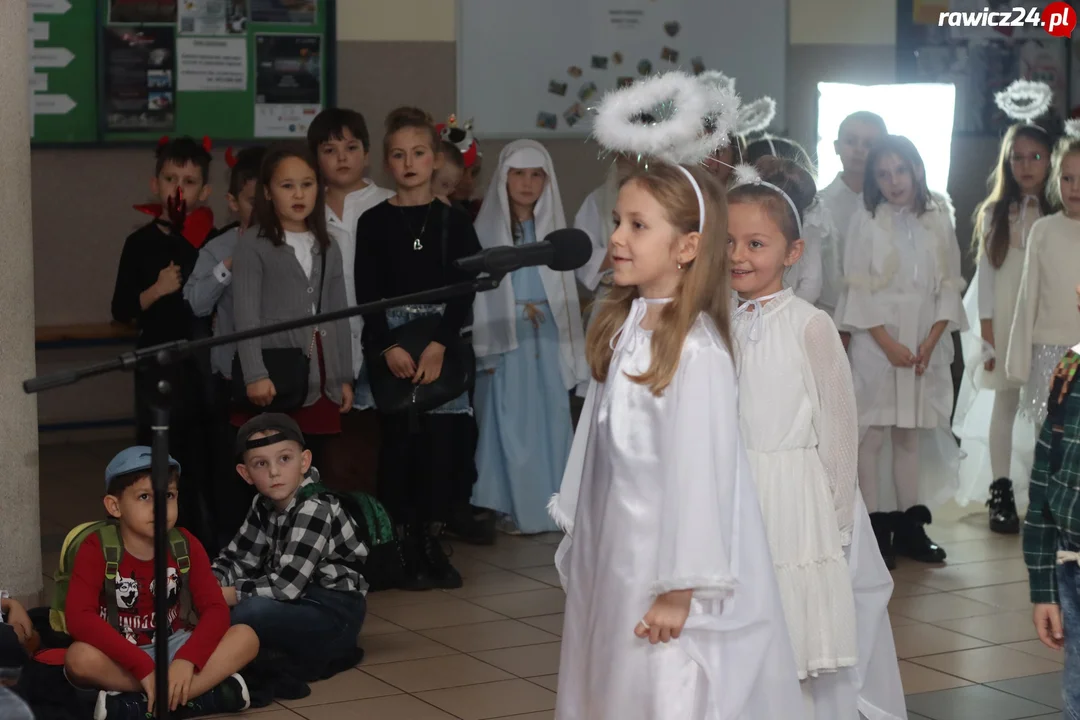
x=825, y=223
x=992, y=295
x=797, y=411
x=903, y=272
x=797, y=415
x=658, y=497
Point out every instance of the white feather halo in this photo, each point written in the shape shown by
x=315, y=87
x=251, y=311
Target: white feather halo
x=1072, y=128
x=679, y=136
x=715, y=78
x=746, y=174
x=1024, y=100
x=756, y=116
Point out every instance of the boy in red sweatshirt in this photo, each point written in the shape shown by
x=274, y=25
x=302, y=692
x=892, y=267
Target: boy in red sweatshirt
x=113, y=648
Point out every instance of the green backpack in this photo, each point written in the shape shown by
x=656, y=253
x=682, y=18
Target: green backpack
x=113, y=548
x=382, y=569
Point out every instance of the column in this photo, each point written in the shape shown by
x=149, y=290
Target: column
x=20, y=525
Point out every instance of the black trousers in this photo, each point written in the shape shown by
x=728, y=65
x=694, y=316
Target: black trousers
x=423, y=470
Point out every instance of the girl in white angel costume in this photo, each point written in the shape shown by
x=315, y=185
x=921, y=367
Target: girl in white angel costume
x=901, y=304
x=798, y=417
x=998, y=442
x=673, y=610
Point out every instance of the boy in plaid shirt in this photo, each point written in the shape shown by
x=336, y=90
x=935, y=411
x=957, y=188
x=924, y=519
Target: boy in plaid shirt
x=290, y=572
x=1052, y=527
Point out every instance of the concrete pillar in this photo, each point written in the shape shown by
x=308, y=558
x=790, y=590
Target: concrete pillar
x=20, y=523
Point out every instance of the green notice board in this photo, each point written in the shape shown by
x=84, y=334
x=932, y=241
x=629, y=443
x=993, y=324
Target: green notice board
x=123, y=71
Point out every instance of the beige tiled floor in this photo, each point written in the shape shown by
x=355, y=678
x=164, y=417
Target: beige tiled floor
x=491, y=649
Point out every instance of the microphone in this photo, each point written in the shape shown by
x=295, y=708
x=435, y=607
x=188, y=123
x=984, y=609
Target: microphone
x=561, y=250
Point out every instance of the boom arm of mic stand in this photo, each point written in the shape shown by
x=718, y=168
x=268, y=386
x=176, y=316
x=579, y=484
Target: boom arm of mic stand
x=168, y=353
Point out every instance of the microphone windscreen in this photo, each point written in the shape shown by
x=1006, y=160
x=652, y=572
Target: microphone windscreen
x=572, y=249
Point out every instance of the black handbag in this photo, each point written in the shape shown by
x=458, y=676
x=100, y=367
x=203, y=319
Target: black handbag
x=397, y=396
x=288, y=369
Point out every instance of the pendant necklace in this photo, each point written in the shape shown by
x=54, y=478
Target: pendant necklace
x=417, y=245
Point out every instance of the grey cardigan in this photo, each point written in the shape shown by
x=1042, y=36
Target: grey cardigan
x=269, y=286
x=209, y=289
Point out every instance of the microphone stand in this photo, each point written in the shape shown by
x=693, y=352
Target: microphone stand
x=162, y=360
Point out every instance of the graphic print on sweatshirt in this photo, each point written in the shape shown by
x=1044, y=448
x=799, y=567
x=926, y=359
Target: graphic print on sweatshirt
x=135, y=588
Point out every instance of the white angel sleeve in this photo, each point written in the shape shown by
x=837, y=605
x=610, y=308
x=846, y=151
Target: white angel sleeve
x=858, y=309
x=819, y=231
x=588, y=219
x=836, y=419
x=702, y=435
x=1018, y=358
x=950, y=301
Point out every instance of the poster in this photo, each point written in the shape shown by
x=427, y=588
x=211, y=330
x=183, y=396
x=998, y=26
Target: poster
x=212, y=17
x=142, y=11
x=294, y=12
x=139, y=81
x=213, y=64
x=288, y=84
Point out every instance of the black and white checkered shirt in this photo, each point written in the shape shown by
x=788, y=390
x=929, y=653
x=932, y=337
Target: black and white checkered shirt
x=277, y=553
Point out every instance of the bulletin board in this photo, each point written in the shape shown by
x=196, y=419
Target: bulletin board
x=981, y=61
x=529, y=68
x=106, y=72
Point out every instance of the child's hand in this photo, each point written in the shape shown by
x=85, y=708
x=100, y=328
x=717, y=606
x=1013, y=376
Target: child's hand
x=1047, y=617
x=899, y=355
x=666, y=618
x=261, y=392
x=148, y=688
x=430, y=367
x=180, y=674
x=988, y=338
x=400, y=363
x=229, y=593
x=168, y=280
x=346, y=397
x=19, y=621
x=227, y=262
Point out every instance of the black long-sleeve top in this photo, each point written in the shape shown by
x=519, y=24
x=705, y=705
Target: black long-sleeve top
x=388, y=266
x=146, y=252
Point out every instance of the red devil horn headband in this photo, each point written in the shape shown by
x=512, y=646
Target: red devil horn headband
x=207, y=144
x=230, y=158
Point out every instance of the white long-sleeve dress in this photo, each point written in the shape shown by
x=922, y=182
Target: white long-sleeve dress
x=797, y=413
x=992, y=296
x=902, y=272
x=658, y=497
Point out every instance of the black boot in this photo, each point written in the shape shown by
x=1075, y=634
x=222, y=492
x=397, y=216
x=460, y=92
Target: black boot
x=415, y=573
x=1002, y=504
x=910, y=538
x=470, y=526
x=442, y=573
x=883, y=531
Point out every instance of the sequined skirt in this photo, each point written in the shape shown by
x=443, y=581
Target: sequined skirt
x=1044, y=358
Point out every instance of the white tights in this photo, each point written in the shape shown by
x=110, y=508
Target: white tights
x=1002, y=418
x=905, y=466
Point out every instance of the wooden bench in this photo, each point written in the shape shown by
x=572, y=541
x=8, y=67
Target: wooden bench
x=54, y=337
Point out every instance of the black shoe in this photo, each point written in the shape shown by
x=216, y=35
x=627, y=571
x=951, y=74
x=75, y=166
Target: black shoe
x=121, y=706
x=476, y=527
x=415, y=572
x=883, y=531
x=442, y=572
x=231, y=696
x=910, y=538
x=1002, y=504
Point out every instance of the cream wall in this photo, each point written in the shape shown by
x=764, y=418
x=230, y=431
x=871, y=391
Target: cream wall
x=813, y=22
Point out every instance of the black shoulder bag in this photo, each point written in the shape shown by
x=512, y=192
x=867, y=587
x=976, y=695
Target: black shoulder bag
x=288, y=368
x=395, y=396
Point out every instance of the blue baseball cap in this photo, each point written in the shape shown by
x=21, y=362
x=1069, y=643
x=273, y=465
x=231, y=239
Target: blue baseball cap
x=133, y=459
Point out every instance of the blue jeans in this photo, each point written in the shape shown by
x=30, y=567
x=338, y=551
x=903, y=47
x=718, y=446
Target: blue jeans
x=316, y=632
x=1068, y=576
